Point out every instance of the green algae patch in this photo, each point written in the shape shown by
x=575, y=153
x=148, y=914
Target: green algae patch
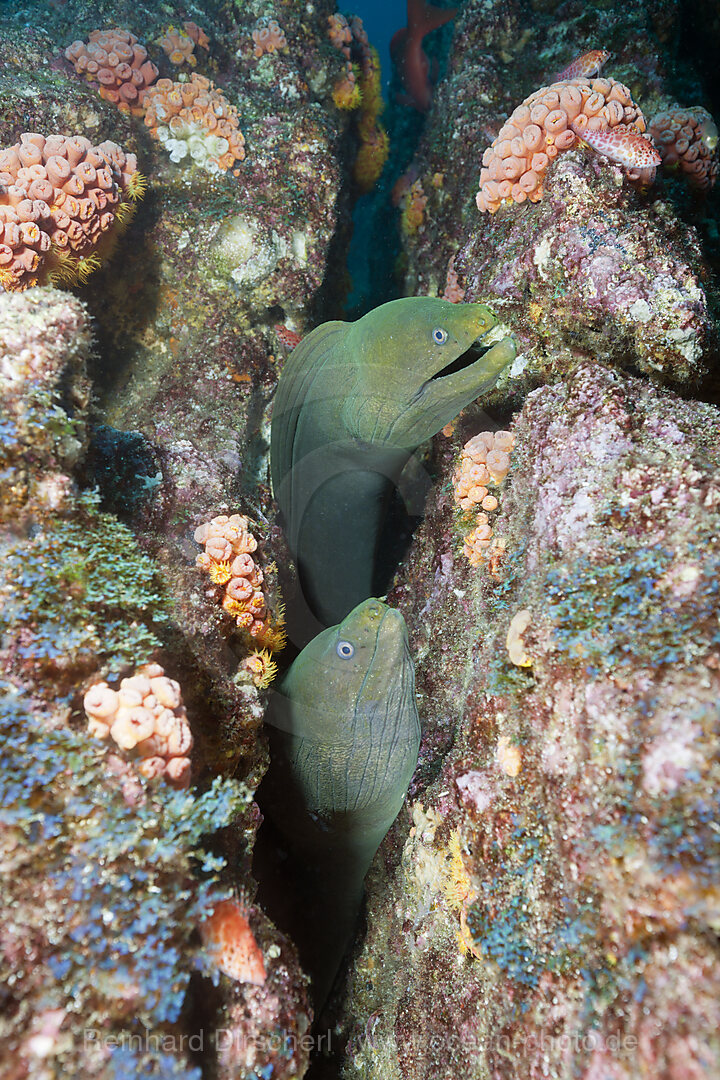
x=101, y=900
x=79, y=595
x=649, y=606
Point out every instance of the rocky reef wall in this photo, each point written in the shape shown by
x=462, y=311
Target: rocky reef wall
x=546, y=903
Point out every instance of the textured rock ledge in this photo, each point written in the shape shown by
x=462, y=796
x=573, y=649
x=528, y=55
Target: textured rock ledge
x=548, y=904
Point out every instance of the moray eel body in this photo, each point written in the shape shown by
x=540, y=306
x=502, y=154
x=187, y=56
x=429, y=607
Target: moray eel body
x=354, y=402
x=345, y=736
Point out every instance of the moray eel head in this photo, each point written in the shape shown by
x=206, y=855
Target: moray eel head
x=351, y=665
x=421, y=363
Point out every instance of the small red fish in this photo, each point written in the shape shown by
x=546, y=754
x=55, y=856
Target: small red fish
x=625, y=146
x=231, y=944
x=289, y=338
x=585, y=67
x=409, y=55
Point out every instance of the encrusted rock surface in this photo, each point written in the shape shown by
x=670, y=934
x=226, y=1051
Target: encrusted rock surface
x=549, y=903
x=598, y=268
x=44, y=346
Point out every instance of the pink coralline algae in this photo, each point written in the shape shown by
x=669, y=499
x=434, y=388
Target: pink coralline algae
x=687, y=140
x=553, y=119
x=116, y=61
x=146, y=720
x=572, y=806
x=44, y=344
x=60, y=199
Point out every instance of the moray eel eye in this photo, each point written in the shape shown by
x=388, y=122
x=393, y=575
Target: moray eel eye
x=440, y=336
x=344, y=650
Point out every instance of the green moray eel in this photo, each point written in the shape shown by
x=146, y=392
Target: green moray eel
x=345, y=736
x=354, y=402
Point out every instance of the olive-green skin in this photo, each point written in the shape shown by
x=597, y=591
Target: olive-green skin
x=354, y=402
x=344, y=736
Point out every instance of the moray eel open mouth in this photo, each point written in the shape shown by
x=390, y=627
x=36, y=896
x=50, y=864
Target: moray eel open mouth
x=474, y=352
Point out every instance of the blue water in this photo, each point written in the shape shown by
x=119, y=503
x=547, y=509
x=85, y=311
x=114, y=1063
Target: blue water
x=381, y=19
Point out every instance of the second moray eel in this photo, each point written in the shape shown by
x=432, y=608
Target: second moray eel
x=354, y=402
x=344, y=735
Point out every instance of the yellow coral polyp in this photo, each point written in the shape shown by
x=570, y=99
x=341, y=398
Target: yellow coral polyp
x=220, y=573
x=346, y=92
x=137, y=186
x=275, y=637
x=372, y=155
x=371, y=85
x=262, y=668
x=457, y=886
x=86, y=266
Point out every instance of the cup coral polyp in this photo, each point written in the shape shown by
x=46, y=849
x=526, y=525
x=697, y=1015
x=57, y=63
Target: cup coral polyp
x=193, y=119
x=180, y=44
x=413, y=208
x=227, y=559
x=554, y=119
x=146, y=720
x=340, y=33
x=116, y=62
x=687, y=140
x=454, y=292
x=268, y=37
x=360, y=88
x=261, y=668
x=61, y=200
x=485, y=459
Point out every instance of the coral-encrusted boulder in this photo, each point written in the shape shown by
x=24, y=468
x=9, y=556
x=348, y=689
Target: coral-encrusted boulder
x=550, y=908
x=44, y=345
x=593, y=271
x=600, y=267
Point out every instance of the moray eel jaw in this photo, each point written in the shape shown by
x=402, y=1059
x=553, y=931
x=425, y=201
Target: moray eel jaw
x=448, y=391
x=418, y=368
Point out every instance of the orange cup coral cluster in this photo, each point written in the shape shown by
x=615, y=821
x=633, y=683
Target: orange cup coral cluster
x=268, y=37
x=554, y=119
x=180, y=44
x=413, y=208
x=231, y=944
x=340, y=33
x=360, y=88
x=687, y=140
x=145, y=718
x=454, y=292
x=485, y=460
x=61, y=200
x=116, y=61
x=227, y=559
x=194, y=120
